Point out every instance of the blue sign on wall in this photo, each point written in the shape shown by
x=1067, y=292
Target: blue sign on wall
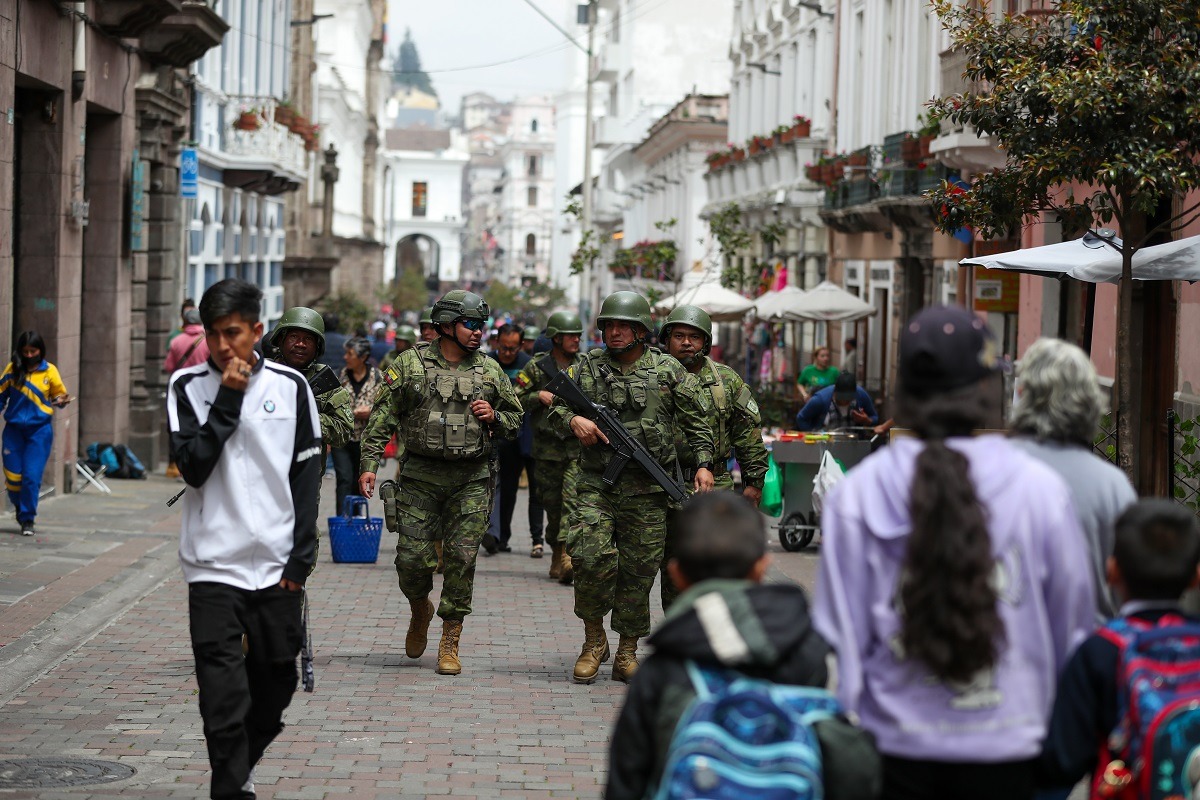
x=189, y=173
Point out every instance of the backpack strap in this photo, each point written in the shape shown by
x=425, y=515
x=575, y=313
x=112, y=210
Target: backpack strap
x=707, y=682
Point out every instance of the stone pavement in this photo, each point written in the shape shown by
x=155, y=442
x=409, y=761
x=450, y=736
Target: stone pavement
x=95, y=663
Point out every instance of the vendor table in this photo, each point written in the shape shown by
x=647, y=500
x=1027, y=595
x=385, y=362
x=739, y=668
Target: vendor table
x=799, y=459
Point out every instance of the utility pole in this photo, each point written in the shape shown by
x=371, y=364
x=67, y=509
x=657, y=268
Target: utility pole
x=585, y=275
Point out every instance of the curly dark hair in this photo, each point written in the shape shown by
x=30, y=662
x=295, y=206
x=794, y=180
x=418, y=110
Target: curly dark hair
x=950, y=620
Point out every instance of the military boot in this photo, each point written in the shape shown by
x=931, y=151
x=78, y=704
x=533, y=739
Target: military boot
x=448, y=663
x=418, y=628
x=556, y=554
x=594, y=653
x=566, y=574
x=441, y=565
x=626, y=663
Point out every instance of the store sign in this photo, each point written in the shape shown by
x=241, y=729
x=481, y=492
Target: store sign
x=137, y=205
x=189, y=173
x=997, y=291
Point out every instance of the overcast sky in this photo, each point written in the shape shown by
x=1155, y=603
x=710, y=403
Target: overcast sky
x=452, y=34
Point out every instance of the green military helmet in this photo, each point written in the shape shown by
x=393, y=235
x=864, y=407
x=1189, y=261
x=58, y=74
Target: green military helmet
x=303, y=319
x=627, y=306
x=427, y=317
x=459, y=304
x=530, y=334
x=563, y=322
x=693, y=317
x=405, y=333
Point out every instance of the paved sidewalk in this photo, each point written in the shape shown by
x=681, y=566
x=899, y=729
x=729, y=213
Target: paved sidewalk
x=96, y=664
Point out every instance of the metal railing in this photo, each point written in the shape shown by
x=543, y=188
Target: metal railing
x=1185, y=460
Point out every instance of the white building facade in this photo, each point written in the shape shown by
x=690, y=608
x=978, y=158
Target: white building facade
x=527, y=208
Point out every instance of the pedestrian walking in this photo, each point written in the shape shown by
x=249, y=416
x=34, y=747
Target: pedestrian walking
x=189, y=348
x=513, y=455
x=334, y=344
x=449, y=404
x=551, y=453
x=188, y=303
x=949, y=582
x=246, y=437
x=850, y=358
x=817, y=375
x=362, y=380
x=1057, y=412
x=380, y=346
x=30, y=390
x=618, y=531
x=299, y=341
x=732, y=414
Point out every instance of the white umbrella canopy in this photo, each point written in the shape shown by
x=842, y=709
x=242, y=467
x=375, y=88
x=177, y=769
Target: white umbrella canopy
x=776, y=305
x=1091, y=260
x=828, y=302
x=723, y=305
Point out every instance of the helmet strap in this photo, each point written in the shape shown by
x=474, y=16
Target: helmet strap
x=454, y=338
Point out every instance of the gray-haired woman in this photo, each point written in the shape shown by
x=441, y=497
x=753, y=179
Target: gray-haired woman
x=1056, y=416
x=361, y=378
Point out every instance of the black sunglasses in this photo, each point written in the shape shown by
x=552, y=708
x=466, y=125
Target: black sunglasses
x=472, y=324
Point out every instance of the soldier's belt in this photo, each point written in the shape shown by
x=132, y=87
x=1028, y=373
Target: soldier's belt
x=412, y=500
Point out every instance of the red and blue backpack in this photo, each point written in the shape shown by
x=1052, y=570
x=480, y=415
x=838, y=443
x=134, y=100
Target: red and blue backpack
x=1154, y=751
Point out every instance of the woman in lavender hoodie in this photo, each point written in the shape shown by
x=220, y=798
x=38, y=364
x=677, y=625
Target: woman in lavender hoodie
x=953, y=581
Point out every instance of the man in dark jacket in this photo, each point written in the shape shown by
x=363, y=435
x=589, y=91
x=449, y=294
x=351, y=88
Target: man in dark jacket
x=725, y=617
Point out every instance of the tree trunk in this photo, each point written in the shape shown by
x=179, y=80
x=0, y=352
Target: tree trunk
x=1125, y=364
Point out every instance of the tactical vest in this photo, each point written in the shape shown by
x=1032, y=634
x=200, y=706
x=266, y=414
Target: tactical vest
x=442, y=426
x=715, y=387
x=635, y=397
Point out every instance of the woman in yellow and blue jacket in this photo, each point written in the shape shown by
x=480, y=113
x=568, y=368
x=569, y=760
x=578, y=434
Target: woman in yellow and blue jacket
x=30, y=390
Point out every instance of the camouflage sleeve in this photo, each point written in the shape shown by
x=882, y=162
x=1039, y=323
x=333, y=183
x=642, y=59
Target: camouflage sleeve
x=509, y=414
x=336, y=409
x=526, y=386
x=746, y=434
x=559, y=414
x=691, y=418
x=385, y=416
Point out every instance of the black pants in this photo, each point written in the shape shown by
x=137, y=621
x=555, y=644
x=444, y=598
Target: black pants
x=908, y=779
x=242, y=698
x=511, y=464
x=345, y=471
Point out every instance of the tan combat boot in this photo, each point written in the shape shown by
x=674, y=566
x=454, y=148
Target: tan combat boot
x=626, y=663
x=441, y=565
x=448, y=663
x=567, y=571
x=556, y=554
x=594, y=653
x=418, y=628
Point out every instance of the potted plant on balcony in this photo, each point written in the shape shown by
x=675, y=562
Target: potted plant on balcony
x=737, y=153
x=248, y=120
x=814, y=172
x=716, y=160
x=801, y=126
x=299, y=124
x=910, y=149
x=929, y=130
x=860, y=157
x=312, y=142
x=284, y=113
x=783, y=134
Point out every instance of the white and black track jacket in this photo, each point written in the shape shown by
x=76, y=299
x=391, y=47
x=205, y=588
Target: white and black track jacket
x=252, y=462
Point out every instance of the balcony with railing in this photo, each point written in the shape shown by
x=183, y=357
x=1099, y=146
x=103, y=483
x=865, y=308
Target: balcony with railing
x=181, y=37
x=755, y=174
x=266, y=145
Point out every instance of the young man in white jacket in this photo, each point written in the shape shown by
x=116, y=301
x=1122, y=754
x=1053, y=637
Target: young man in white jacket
x=247, y=441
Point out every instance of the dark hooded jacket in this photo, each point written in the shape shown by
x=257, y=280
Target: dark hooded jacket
x=770, y=638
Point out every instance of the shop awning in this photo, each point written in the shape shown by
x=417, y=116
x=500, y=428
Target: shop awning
x=1093, y=260
x=774, y=306
x=828, y=302
x=723, y=305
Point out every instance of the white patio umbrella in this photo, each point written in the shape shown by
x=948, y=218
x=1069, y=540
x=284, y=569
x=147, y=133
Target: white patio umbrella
x=828, y=302
x=723, y=305
x=773, y=306
x=1091, y=260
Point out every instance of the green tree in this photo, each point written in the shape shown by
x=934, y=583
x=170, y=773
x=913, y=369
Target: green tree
x=353, y=314
x=406, y=69
x=732, y=240
x=407, y=293
x=1097, y=110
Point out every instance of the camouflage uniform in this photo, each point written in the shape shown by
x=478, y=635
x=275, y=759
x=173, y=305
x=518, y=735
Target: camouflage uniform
x=616, y=535
x=440, y=499
x=335, y=407
x=551, y=452
x=732, y=414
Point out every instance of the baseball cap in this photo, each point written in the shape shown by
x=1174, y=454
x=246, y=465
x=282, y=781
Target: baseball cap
x=844, y=388
x=943, y=348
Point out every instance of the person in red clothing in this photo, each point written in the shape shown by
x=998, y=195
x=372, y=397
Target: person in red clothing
x=188, y=348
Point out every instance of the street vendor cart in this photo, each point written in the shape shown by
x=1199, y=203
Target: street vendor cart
x=799, y=458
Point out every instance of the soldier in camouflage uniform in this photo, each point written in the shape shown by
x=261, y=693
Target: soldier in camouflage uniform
x=298, y=341
x=406, y=339
x=428, y=330
x=551, y=452
x=617, y=533
x=732, y=416
x=447, y=402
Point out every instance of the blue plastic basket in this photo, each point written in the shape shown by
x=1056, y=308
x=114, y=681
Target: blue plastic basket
x=354, y=536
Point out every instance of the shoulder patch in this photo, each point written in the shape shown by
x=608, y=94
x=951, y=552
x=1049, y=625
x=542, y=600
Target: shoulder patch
x=390, y=377
x=523, y=381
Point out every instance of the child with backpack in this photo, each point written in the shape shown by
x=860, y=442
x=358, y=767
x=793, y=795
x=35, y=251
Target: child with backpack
x=1128, y=703
x=733, y=649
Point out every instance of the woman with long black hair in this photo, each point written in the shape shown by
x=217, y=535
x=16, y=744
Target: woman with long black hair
x=30, y=390
x=953, y=580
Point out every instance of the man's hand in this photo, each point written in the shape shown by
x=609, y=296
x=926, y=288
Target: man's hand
x=290, y=586
x=362, y=412
x=545, y=397
x=236, y=375
x=753, y=494
x=366, y=484
x=704, y=481
x=860, y=417
x=588, y=432
x=483, y=411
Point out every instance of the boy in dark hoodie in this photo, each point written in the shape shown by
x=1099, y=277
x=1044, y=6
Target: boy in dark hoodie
x=724, y=617
x=1155, y=559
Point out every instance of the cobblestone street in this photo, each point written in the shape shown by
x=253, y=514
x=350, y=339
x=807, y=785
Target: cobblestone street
x=96, y=664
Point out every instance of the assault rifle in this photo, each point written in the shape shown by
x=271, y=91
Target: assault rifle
x=625, y=446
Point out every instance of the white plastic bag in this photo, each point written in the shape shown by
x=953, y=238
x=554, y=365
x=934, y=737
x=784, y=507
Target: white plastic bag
x=828, y=475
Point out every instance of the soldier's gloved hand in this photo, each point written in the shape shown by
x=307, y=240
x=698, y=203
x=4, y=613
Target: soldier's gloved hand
x=483, y=411
x=753, y=494
x=366, y=484
x=704, y=480
x=588, y=432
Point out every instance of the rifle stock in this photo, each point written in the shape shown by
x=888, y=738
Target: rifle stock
x=625, y=446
